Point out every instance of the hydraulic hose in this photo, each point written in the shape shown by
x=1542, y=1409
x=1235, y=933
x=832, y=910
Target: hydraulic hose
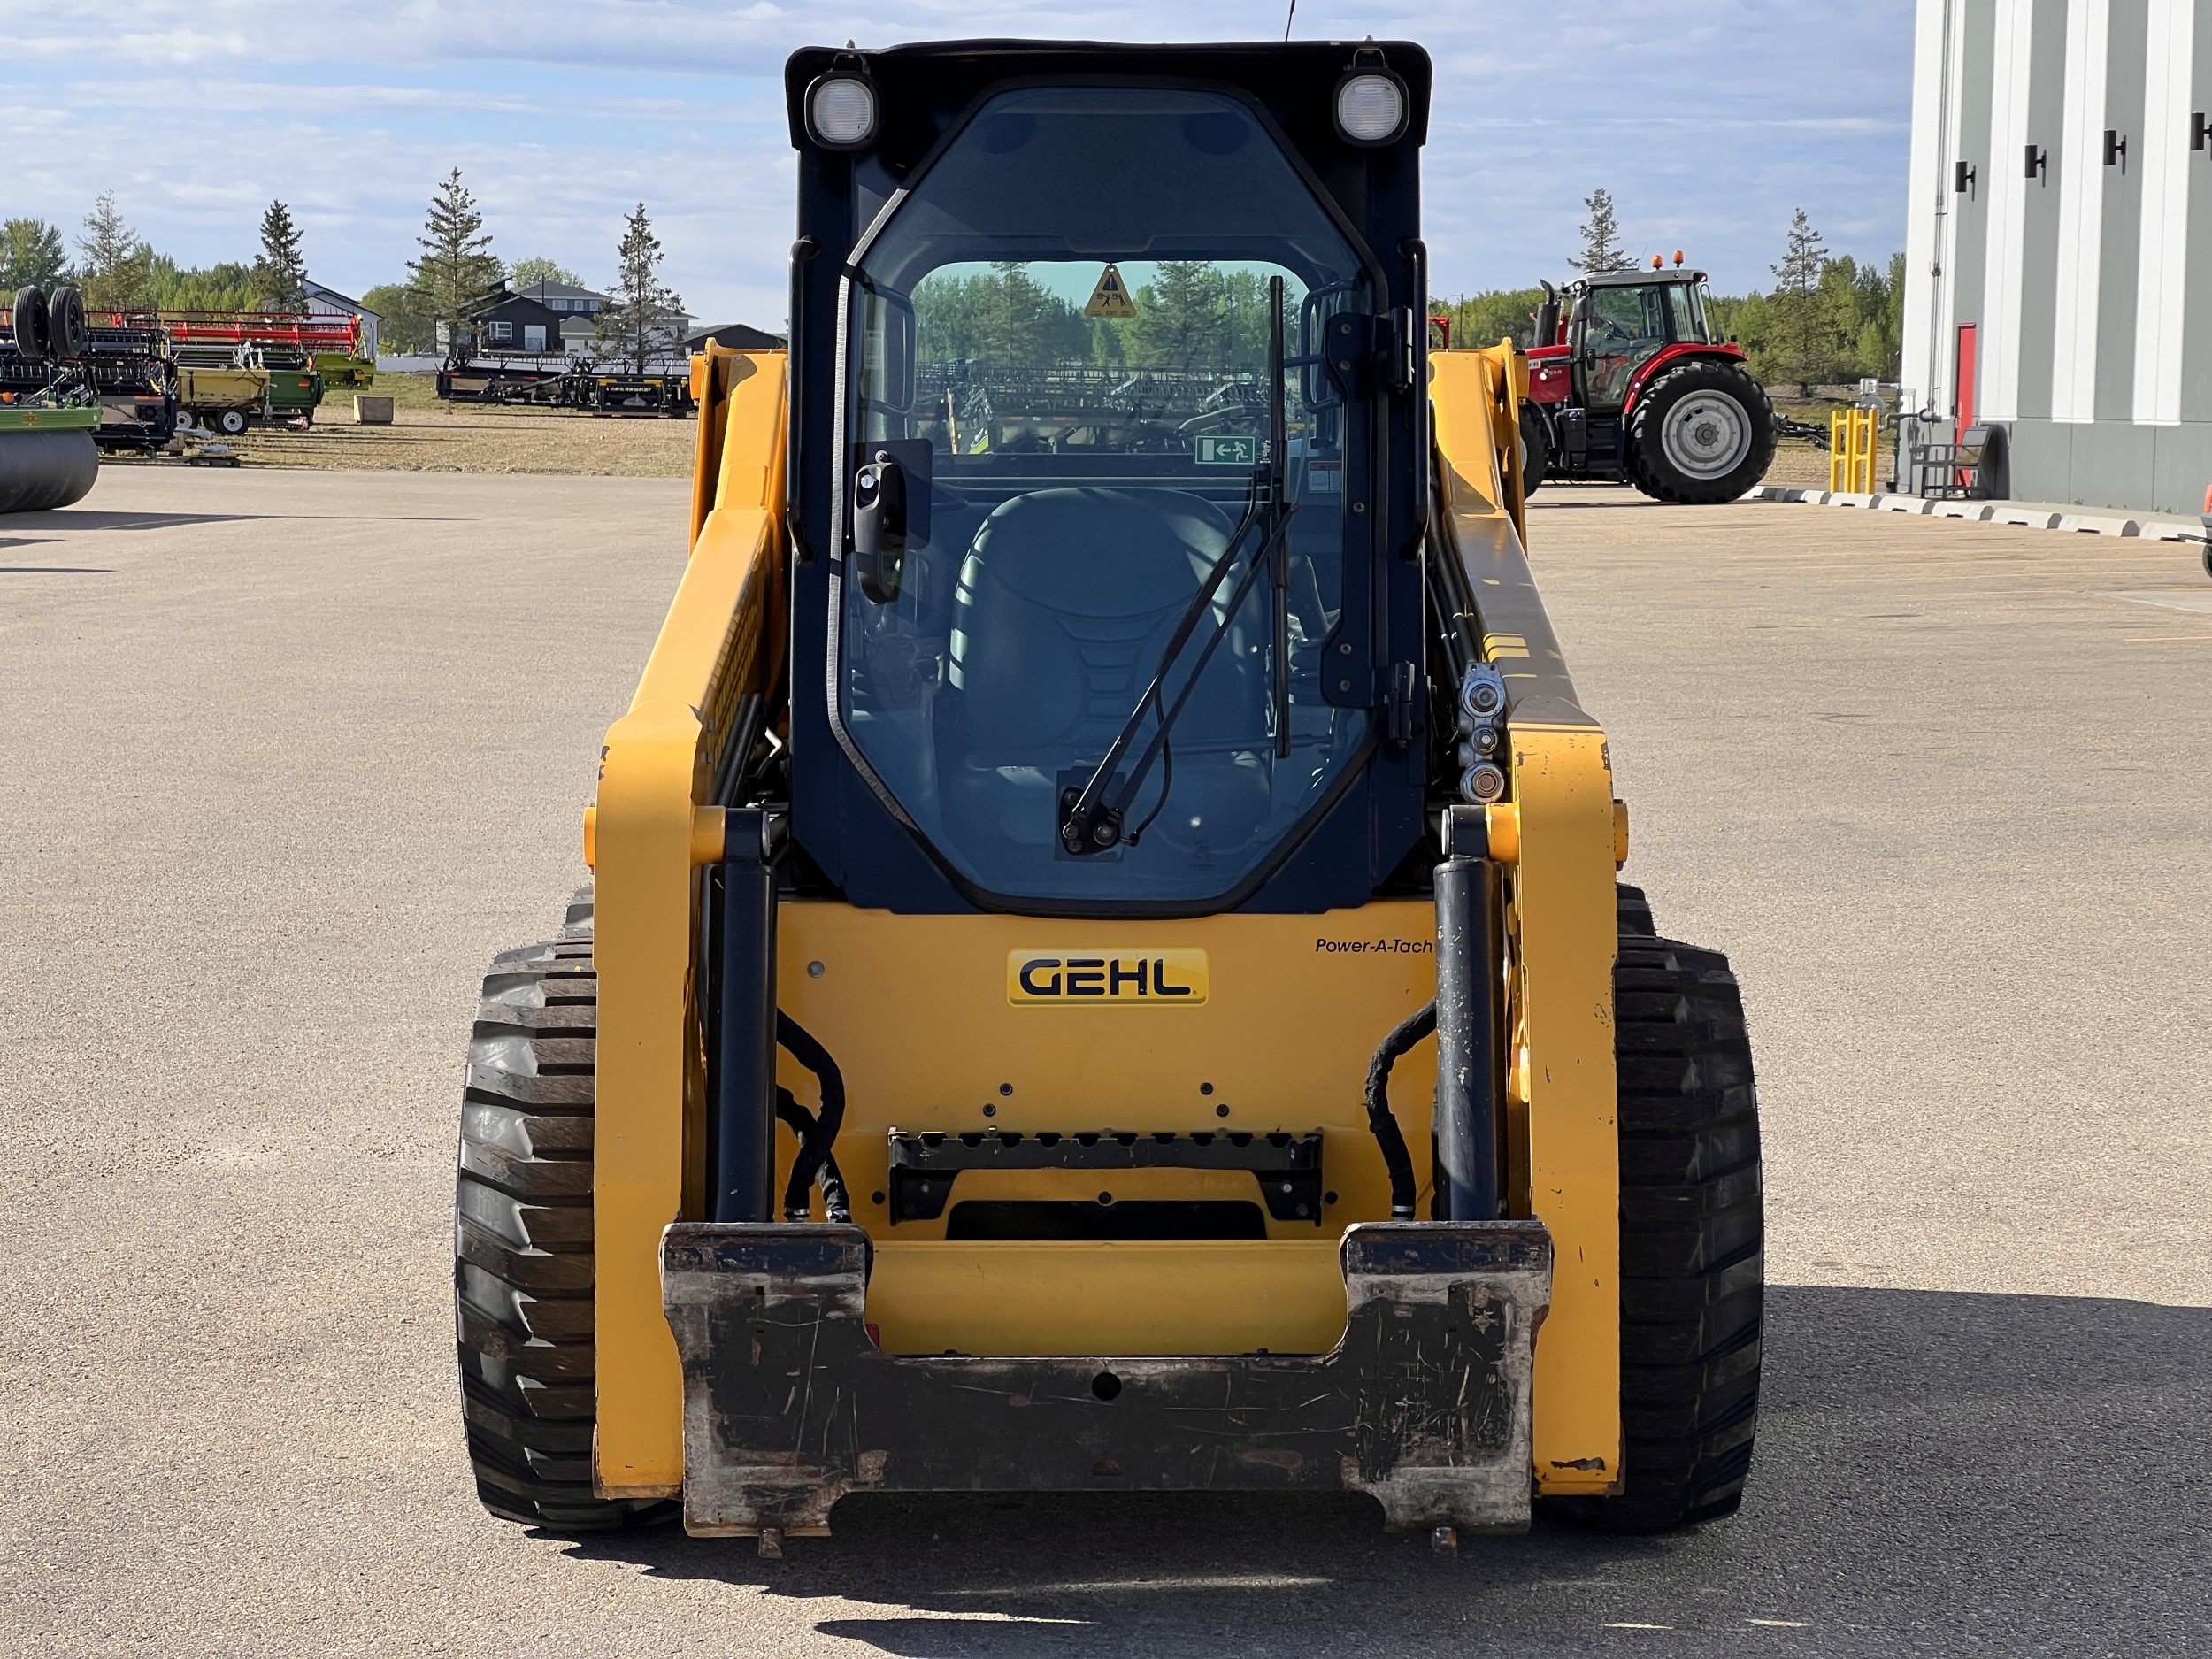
x=1388, y=1136
x=835, y=1205
x=820, y=1137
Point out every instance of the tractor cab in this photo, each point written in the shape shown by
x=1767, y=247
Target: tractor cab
x=1618, y=322
x=1634, y=384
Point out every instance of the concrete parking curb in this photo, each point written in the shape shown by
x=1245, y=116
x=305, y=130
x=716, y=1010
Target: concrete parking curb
x=2034, y=515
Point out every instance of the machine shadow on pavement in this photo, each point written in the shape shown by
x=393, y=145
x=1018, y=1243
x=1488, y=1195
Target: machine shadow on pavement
x=93, y=518
x=1901, y=1429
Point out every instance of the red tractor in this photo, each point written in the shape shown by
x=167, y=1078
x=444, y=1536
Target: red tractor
x=1636, y=385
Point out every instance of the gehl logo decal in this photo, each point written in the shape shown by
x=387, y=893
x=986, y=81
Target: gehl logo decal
x=1165, y=979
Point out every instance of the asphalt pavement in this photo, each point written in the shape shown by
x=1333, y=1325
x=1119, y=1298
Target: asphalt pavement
x=285, y=758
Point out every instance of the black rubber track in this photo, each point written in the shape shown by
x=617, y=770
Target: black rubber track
x=1646, y=458
x=522, y=1240
x=1692, y=1233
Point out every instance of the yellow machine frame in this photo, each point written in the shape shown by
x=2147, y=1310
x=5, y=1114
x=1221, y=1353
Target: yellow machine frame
x=952, y=1052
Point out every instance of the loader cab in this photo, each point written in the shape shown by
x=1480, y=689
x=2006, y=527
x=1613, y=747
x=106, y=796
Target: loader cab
x=1619, y=322
x=1101, y=602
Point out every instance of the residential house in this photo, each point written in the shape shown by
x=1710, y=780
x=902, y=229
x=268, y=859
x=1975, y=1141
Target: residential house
x=579, y=336
x=506, y=323
x=327, y=302
x=734, y=337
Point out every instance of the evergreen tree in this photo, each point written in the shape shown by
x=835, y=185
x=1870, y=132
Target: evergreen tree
x=225, y=286
x=1182, y=319
x=1795, y=302
x=118, y=266
x=31, y=251
x=456, y=264
x=528, y=273
x=280, y=273
x=1600, y=238
x=1004, y=317
x=640, y=325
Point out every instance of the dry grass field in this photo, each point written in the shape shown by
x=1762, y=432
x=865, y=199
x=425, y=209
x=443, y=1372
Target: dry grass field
x=428, y=436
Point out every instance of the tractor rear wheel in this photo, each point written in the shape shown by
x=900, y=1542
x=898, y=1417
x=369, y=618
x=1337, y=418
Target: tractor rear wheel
x=1535, y=450
x=522, y=1240
x=1692, y=1234
x=1701, y=432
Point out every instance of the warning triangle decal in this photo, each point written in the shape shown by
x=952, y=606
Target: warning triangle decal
x=1111, y=297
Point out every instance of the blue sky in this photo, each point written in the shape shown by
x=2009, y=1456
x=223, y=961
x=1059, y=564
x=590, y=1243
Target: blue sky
x=1708, y=121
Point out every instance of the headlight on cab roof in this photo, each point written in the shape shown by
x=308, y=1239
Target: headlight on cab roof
x=840, y=110
x=1371, y=106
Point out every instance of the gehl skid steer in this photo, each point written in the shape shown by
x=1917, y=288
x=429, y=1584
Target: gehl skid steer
x=1104, y=968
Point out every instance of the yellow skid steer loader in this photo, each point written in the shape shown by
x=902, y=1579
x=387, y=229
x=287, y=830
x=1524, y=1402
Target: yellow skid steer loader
x=1104, y=968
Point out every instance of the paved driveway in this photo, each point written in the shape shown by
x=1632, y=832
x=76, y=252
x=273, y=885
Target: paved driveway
x=284, y=758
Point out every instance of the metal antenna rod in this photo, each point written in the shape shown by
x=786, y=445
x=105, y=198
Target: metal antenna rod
x=1291, y=18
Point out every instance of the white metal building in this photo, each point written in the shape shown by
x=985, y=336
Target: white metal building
x=2062, y=179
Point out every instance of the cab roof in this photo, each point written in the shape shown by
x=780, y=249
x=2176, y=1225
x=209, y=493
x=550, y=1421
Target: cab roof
x=1636, y=278
x=927, y=87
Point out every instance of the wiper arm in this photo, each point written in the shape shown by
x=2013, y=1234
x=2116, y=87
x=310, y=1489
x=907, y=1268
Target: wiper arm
x=1079, y=815
x=1090, y=823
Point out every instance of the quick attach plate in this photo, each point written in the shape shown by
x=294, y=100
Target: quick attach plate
x=924, y=1165
x=1424, y=1404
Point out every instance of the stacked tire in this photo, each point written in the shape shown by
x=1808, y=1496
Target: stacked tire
x=41, y=471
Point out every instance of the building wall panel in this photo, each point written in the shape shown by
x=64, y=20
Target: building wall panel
x=2122, y=233
x=2004, y=189
x=1971, y=208
x=2038, y=273
x=2162, y=249
x=2081, y=213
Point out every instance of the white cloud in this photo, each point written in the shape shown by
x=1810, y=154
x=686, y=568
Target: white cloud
x=1710, y=121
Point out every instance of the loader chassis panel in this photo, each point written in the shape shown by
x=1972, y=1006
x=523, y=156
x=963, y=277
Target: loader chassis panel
x=787, y=1405
x=915, y=1012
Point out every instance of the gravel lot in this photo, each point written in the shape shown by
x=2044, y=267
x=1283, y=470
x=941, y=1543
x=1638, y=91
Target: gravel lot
x=288, y=754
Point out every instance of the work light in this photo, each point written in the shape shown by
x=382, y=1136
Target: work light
x=840, y=110
x=1371, y=106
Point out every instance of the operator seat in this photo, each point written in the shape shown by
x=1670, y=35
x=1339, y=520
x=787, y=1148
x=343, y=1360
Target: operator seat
x=1065, y=603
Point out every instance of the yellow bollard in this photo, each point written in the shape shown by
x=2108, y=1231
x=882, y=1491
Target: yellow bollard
x=1852, y=436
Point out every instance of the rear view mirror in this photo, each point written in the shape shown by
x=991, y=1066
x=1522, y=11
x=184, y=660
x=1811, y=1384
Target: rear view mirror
x=887, y=365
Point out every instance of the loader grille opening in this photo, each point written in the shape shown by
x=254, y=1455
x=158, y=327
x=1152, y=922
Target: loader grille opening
x=1090, y=1221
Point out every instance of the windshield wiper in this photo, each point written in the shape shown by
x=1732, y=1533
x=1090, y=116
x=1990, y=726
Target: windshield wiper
x=1280, y=507
x=1084, y=812
x=1089, y=822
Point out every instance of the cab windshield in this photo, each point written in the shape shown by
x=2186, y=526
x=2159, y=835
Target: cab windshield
x=1061, y=334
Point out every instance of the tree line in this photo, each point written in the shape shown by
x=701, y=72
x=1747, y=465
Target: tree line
x=120, y=271
x=1192, y=316
x=1827, y=321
